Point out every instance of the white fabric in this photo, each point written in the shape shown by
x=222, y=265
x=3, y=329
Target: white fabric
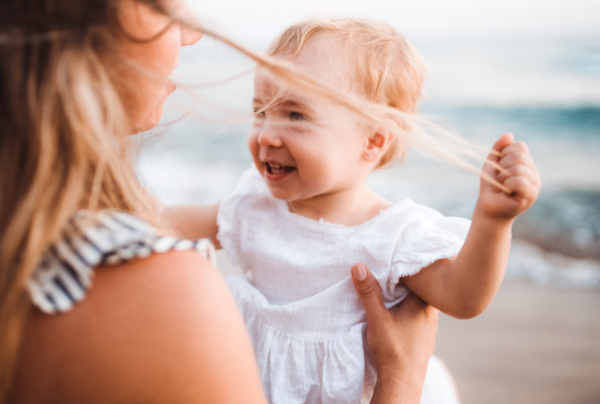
x=300, y=307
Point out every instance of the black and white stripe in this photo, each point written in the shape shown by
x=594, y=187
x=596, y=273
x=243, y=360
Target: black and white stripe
x=89, y=240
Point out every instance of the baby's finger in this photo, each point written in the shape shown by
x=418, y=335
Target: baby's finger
x=517, y=158
x=518, y=170
x=520, y=147
x=505, y=140
x=522, y=187
x=490, y=167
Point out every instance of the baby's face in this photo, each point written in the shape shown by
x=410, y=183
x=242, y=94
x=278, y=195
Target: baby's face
x=304, y=146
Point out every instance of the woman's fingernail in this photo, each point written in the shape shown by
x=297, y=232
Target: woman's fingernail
x=359, y=272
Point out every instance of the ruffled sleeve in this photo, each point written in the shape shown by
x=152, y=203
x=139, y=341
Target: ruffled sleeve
x=427, y=236
x=228, y=218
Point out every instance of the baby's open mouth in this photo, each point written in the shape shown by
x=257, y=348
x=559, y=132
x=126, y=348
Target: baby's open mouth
x=274, y=168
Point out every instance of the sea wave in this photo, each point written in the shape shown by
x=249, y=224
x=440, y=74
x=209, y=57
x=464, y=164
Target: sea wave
x=566, y=222
x=529, y=261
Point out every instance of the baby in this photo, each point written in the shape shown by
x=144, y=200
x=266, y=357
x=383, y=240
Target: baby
x=303, y=216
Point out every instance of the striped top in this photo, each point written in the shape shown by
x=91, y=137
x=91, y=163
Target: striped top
x=65, y=271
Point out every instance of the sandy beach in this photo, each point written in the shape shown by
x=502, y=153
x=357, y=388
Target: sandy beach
x=534, y=344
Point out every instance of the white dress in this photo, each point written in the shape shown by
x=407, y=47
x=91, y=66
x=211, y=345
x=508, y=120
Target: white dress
x=298, y=300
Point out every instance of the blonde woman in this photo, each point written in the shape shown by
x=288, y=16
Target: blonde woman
x=97, y=302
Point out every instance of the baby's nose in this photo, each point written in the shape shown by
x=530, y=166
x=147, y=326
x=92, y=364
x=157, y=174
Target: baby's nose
x=269, y=137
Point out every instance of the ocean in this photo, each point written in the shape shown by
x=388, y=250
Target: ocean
x=546, y=91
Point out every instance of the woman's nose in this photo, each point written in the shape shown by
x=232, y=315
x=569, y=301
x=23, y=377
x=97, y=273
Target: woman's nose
x=190, y=36
x=269, y=137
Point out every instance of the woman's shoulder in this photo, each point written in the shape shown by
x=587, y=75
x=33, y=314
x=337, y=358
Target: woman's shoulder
x=157, y=324
x=89, y=240
x=159, y=329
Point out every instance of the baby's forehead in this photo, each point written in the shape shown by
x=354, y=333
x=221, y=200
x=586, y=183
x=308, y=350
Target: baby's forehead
x=323, y=58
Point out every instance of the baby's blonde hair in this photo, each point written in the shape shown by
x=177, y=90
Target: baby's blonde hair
x=410, y=128
x=383, y=66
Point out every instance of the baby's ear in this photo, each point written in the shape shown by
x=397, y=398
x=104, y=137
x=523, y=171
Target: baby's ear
x=379, y=141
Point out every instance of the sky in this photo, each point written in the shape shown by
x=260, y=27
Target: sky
x=510, y=52
x=256, y=20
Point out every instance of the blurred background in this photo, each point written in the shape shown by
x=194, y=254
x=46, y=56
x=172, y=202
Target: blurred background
x=528, y=67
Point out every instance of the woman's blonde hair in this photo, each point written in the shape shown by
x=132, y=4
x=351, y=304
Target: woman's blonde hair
x=63, y=141
x=384, y=67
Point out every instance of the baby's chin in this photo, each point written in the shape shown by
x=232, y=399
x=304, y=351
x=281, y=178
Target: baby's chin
x=281, y=194
x=285, y=195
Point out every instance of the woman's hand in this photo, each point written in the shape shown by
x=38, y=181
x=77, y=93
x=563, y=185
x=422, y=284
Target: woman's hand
x=519, y=174
x=400, y=340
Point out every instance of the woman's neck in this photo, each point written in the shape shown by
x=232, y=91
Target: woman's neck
x=349, y=207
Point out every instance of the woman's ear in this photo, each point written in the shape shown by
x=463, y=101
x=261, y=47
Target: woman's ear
x=379, y=141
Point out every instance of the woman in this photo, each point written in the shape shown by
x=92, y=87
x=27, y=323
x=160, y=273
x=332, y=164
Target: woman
x=77, y=77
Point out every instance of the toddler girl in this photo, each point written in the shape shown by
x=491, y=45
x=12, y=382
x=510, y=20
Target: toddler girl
x=303, y=216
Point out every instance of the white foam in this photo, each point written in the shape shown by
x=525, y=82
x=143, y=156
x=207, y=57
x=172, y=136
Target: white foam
x=528, y=261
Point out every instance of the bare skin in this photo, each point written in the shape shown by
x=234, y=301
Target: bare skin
x=193, y=222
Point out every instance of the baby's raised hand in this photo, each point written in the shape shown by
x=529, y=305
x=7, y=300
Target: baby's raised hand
x=519, y=174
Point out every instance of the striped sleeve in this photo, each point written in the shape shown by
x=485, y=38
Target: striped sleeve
x=64, y=274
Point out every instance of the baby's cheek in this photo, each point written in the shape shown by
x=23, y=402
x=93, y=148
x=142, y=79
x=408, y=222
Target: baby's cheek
x=253, y=144
x=320, y=172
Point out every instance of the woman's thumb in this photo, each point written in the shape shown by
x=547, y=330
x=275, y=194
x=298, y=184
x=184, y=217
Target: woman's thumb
x=369, y=292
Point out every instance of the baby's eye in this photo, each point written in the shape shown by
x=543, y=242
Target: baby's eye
x=296, y=116
x=259, y=113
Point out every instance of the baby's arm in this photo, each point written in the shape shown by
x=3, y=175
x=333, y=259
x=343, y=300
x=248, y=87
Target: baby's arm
x=195, y=221
x=464, y=286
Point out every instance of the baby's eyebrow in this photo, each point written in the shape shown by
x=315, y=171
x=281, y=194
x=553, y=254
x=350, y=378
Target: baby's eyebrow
x=292, y=103
x=297, y=103
x=282, y=102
